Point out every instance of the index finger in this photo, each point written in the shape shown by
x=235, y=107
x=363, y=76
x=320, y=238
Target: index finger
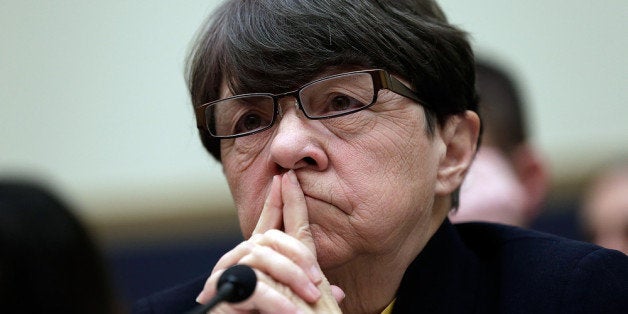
x=270, y=218
x=295, y=214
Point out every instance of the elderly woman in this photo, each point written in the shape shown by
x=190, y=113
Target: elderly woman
x=345, y=129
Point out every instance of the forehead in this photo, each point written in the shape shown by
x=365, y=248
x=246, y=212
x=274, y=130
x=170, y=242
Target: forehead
x=231, y=86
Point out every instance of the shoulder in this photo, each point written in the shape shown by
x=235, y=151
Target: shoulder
x=502, y=240
x=546, y=273
x=178, y=299
x=491, y=238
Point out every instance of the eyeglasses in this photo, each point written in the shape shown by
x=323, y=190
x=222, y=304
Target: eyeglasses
x=328, y=97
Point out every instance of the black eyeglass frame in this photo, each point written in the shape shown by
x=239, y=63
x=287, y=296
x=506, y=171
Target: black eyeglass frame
x=381, y=80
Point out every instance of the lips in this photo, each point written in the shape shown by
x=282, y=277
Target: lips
x=323, y=197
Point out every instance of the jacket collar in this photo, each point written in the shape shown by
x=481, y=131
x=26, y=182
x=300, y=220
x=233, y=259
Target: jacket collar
x=446, y=277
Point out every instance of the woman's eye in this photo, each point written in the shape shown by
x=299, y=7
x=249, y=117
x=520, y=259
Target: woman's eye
x=344, y=103
x=250, y=122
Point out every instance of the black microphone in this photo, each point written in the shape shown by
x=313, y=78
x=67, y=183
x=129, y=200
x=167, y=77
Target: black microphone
x=235, y=285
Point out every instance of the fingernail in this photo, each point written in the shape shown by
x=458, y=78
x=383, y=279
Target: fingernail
x=316, y=274
x=198, y=298
x=293, y=177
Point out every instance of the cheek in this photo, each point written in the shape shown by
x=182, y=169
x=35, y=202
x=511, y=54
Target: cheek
x=400, y=151
x=243, y=151
x=404, y=178
x=248, y=185
x=390, y=173
x=248, y=194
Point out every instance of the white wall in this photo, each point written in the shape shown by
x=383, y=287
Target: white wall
x=92, y=96
x=572, y=59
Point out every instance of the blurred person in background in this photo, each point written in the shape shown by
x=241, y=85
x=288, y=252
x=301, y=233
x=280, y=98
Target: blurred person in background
x=604, y=210
x=48, y=261
x=508, y=179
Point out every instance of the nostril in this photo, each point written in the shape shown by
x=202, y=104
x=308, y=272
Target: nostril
x=309, y=160
x=304, y=162
x=281, y=170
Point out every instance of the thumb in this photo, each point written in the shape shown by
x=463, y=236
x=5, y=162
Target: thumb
x=295, y=213
x=338, y=293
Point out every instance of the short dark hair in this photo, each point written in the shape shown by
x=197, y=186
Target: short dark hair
x=277, y=45
x=501, y=106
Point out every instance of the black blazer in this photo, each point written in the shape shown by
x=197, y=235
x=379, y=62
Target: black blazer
x=485, y=268
x=491, y=268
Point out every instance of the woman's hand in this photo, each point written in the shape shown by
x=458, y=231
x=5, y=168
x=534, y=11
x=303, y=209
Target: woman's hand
x=289, y=277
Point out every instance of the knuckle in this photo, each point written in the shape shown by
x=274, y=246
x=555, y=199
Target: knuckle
x=254, y=238
x=259, y=251
x=272, y=234
x=304, y=231
x=248, y=260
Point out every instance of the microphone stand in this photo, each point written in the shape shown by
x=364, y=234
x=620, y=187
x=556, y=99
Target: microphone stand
x=223, y=293
x=236, y=284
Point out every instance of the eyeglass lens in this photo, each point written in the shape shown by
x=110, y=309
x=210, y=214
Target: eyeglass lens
x=324, y=98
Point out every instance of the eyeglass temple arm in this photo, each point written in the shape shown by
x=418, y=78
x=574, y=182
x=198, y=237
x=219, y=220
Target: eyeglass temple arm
x=200, y=118
x=393, y=84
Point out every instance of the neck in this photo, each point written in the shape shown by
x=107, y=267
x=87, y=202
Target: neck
x=366, y=293
x=370, y=282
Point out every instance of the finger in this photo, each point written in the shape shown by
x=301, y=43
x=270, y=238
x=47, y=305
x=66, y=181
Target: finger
x=328, y=303
x=209, y=289
x=293, y=249
x=295, y=214
x=268, y=297
x=283, y=270
x=232, y=257
x=338, y=293
x=271, y=216
x=281, y=256
x=280, y=242
x=271, y=296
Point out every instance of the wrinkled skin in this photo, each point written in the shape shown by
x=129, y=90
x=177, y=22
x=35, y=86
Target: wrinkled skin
x=350, y=200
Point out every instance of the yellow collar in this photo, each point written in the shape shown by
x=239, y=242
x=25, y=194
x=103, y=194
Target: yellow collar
x=388, y=309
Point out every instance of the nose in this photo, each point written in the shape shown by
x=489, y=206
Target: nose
x=297, y=143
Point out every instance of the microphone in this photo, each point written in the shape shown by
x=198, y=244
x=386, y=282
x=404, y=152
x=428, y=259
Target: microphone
x=235, y=285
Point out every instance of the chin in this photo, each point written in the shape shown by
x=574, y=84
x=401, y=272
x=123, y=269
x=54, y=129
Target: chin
x=329, y=254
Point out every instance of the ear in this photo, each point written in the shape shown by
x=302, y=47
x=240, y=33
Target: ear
x=530, y=168
x=460, y=136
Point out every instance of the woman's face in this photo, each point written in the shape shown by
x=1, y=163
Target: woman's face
x=369, y=178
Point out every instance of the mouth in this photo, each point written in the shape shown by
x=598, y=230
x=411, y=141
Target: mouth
x=323, y=196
